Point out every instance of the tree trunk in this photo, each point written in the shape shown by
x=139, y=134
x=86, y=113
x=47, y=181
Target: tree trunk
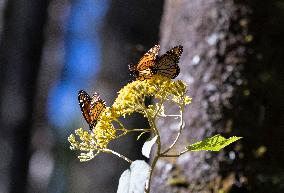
x=20, y=53
x=226, y=65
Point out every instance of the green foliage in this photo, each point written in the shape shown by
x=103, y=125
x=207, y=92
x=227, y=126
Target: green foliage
x=215, y=143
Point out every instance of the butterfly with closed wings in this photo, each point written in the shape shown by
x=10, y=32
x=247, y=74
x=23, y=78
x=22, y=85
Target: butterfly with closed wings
x=150, y=64
x=91, y=107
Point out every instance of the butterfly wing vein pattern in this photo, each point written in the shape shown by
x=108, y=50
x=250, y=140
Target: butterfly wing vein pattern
x=150, y=64
x=91, y=107
x=167, y=64
x=142, y=70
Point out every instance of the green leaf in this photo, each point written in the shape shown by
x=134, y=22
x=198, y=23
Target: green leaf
x=214, y=143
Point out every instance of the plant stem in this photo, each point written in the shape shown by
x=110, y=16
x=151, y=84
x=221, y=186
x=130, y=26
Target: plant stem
x=158, y=153
x=175, y=155
x=125, y=131
x=148, y=183
x=143, y=130
x=120, y=123
x=170, y=155
x=179, y=132
x=118, y=154
x=169, y=115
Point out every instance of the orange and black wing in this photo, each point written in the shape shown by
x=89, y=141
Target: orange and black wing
x=96, y=109
x=85, y=102
x=167, y=64
x=141, y=70
x=148, y=59
x=91, y=108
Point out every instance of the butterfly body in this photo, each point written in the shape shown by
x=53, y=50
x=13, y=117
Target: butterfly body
x=150, y=64
x=91, y=107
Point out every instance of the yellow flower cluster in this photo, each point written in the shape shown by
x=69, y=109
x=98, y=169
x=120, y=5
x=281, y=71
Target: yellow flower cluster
x=131, y=98
x=104, y=131
x=87, y=144
x=97, y=140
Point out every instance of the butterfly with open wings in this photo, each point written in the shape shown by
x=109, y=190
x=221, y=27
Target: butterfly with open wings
x=91, y=107
x=150, y=64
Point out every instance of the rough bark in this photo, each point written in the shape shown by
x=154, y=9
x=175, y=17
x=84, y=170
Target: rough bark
x=223, y=46
x=20, y=53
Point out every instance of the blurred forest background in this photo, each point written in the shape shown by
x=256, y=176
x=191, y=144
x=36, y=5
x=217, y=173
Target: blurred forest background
x=233, y=62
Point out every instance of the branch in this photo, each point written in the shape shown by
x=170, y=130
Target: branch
x=174, y=155
x=137, y=130
x=169, y=115
x=117, y=154
x=179, y=132
x=153, y=126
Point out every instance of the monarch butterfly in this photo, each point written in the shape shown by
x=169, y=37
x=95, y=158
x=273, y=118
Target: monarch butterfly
x=150, y=64
x=91, y=108
x=167, y=64
x=142, y=70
